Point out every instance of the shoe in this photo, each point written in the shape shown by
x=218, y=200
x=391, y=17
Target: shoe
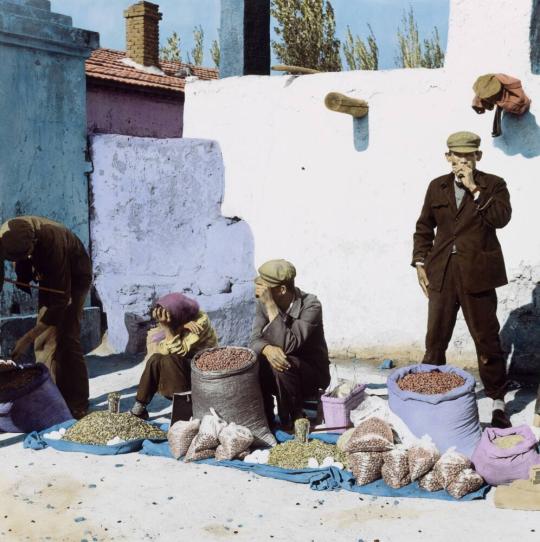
x=139, y=410
x=500, y=420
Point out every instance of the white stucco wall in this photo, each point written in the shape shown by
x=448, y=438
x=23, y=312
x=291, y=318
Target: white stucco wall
x=157, y=227
x=345, y=217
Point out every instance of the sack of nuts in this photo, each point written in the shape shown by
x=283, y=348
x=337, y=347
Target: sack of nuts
x=466, y=482
x=395, y=470
x=233, y=440
x=450, y=465
x=205, y=443
x=422, y=457
x=430, y=482
x=372, y=435
x=181, y=435
x=365, y=466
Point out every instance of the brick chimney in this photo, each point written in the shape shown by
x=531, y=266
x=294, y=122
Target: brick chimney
x=142, y=33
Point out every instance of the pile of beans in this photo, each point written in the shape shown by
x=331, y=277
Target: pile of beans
x=508, y=442
x=431, y=383
x=17, y=378
x=223, y=359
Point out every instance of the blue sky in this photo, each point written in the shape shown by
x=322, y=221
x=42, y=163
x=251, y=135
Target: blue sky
x=106, y=17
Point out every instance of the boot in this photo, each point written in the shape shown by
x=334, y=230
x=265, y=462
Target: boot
x=139, y=410
x=500, y=420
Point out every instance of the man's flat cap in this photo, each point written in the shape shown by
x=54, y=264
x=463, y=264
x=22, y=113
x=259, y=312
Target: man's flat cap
x=276, y=272
x=487, y=86
x=463, y=142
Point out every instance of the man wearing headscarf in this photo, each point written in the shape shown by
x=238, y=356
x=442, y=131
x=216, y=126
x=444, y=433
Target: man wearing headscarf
x=49, y=253
x=183, y=330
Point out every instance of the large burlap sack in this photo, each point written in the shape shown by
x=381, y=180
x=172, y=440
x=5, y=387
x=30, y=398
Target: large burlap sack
x=450, y=419
x=235, y=395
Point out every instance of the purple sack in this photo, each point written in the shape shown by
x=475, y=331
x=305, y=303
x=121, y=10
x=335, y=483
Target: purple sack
x=34, y=406
x=504, y=465
x=450, y=419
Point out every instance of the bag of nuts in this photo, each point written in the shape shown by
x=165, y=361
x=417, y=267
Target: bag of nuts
x=233, y=440
x=395, y=470
x=205, y=443
x=365, y=466
x=430, y=482
x=450, y=465
x=181, y=435
x=422, y=457
x=466, y=482
x=372, y=435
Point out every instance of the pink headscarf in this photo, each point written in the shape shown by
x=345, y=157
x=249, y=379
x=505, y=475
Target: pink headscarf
x=182, y=309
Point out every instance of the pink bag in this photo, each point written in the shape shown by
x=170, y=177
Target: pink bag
x=499, y=465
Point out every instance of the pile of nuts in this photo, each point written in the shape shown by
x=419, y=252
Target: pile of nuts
x=430, y=383
x=17, y=378
x=295, y=455
x=509, y=441
x=223, y=359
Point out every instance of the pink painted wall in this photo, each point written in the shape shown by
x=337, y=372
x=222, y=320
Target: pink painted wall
x=125, y=112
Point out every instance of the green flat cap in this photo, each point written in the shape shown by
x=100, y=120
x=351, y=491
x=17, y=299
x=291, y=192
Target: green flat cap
x=463, y=142
x=276, y=272
x=487, y=86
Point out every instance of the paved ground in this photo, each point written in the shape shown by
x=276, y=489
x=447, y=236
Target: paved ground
x=48, y=495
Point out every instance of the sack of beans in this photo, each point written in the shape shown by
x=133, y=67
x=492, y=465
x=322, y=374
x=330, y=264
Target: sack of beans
x=450, y=465
x=205, y=443
x=466, y=482
x=227, y=379
x=438, y=401
x=233, y=441
x=430, y=482
x=422, y=457
x=371, y=435
x=395, y=469
x=181, y=435
x=365, y=466
x=505, y=455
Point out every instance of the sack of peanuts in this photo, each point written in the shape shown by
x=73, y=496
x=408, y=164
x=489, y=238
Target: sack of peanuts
x=466, y=482
x=343, y=439
x=233, y=440
x=423, y=395
x=450, y=465
x=395, y=469
x=422, y=457
x=365, y=466
x=430, y=482
x=205, y=443
x=372, y=435
x=181, y=435
x=227, y=379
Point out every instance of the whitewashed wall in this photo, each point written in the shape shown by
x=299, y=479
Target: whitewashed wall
x=157, y=227
x=345, y=217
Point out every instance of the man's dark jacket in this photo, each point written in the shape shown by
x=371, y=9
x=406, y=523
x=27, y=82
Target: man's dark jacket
x=472, y=228
x=298, y=332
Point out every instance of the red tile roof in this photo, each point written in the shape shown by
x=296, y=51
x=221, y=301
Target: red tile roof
x=105, y=64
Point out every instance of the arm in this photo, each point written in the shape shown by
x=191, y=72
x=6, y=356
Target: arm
x=425, y=232
x=495, y=209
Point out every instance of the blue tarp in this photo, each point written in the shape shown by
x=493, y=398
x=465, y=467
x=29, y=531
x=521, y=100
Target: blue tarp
x=327, y=479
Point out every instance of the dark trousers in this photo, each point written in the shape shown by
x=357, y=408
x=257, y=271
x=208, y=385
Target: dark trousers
x=289, y=387
x=537, y=405
x=480, y=312
x=165, y=374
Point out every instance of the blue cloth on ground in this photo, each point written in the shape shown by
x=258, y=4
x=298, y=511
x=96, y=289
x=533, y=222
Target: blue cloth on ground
x=387, y=364
x=327, y=479
x=37, y=441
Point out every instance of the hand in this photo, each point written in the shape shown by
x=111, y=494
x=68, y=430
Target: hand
x=465, y=175
x=162, y=316
x=22, y=346
x=422, y=279
x=194, y=327
x=276, y=357
x=263, y=293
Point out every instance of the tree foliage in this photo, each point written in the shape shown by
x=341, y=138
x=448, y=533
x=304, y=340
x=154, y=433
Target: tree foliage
x=411, y=52
x=215, y=52
x=171, y=51
x=197, y=53
x=358, y=54
x=307, y=29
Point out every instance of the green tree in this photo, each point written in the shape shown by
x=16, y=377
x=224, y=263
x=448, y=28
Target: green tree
x=171, y=51
x=198, y=50
x=215, y=52
x=411, y=53
x=307, y=29
x=358, y=55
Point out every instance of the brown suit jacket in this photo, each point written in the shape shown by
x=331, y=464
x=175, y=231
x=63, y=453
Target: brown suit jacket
x=472, y=228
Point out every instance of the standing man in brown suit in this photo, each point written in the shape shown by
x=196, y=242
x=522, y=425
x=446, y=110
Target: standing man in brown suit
x=49, y=253
x=459, y=262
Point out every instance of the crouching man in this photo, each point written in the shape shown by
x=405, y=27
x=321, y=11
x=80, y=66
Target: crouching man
x=288, y=338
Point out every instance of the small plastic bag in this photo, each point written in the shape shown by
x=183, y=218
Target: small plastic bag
x=422, y=457
x=430, y=482
x=365, y=466
x=205, y=443
x=181, y=435
x=233, y=440
x=466, y=482
x=395, y=470
x=450, y=465
x=372, y=435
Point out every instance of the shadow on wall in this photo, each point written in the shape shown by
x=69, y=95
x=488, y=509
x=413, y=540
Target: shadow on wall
x=520, y=338
x=361, y=133
x=521, y=135
x=535, y=37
